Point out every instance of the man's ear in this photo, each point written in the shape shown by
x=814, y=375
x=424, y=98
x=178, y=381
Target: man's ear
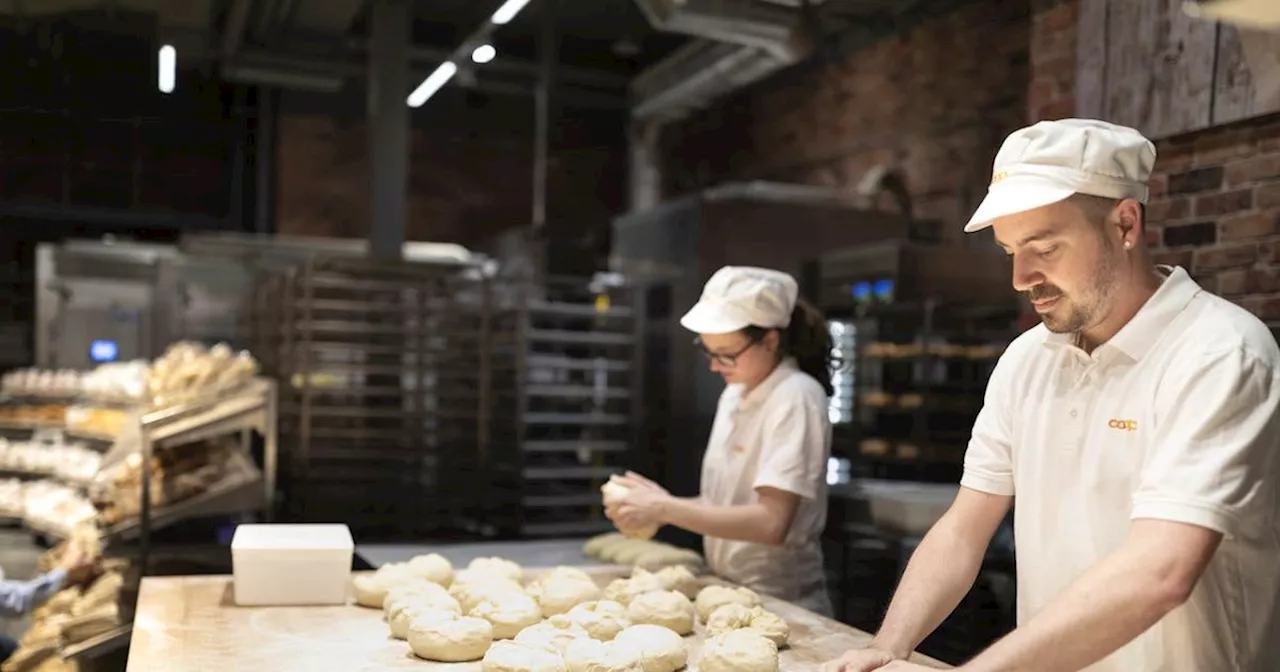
x=1126, y=223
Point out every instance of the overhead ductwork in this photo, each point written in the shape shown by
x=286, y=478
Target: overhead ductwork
x=741, y=42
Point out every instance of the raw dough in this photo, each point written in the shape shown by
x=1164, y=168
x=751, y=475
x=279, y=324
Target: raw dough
x=611, y=552
x=462, y=639
x=371, y=589
x=405, y=616
x=713, y=597
x=498, y=566
x=595, y=544
x=432, y=567
x=614, y=491
x=555, y=632
x=623, y=591
x=666, y=608
x=603, y=620
x=509, y=614
x=509, y=656
x=677, y=578
x=470, y=590
x=735, y=616
x=414, y=589
x=666, y=556
x=661, y=649
x=629, y=554
x=562, y=589
x=743, y=650
x=589, y=655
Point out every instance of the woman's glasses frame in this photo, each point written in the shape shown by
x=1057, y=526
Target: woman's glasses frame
x=728, y=360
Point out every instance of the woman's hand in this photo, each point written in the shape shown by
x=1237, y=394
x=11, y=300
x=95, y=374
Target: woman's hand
x=633, y=480
x=642, y=506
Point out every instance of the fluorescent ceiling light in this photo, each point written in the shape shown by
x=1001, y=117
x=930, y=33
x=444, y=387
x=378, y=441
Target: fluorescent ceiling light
x=484, y=53
x=168, y=68
x=432, y=83
x=508, y=11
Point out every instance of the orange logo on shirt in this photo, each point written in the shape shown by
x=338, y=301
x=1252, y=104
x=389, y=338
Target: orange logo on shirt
x=738, y=450
x=999, y=176
x=1125, y=425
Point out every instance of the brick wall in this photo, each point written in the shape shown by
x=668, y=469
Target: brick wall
x=933, y=101
x=1215, y=206
x=471, y=171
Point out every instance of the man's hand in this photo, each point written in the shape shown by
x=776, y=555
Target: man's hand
x=862, y=660
x=81, y=568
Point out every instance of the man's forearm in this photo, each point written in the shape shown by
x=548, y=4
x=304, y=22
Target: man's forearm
x=1108, y=606
x=941, y=571
x=747, y=522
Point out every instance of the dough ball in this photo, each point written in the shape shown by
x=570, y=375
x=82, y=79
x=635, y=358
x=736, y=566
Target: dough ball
x=509, y=656
x=667, y=556
x=470, y=590
x=628, y=555
x=623, y=591
x=595, y=544
x=677, y=578
x=661, y=649
x=404, y=617
x=554, y=633
x=432, y=567
x=562, y=589
x=743, y=650
x=413, y=590
x=610, y=553
x=589, y=655
x=602, y=620
x=499, y=566
x=666, y=608
x=371, y=589
x=460, y=640
x=615, y=491
x=509, y=614
x=713, y=597
x=771, y=626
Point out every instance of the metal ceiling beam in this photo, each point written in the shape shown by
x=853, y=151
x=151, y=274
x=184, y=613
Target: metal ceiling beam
x=566, y=73
x=233, y=31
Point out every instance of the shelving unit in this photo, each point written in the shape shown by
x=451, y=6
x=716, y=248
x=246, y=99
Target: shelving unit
x=568, y=396
x=384, y=402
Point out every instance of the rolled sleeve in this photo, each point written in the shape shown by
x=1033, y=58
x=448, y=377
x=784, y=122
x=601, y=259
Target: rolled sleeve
x=1213, y=456
x=988, y=460
x=796, y=446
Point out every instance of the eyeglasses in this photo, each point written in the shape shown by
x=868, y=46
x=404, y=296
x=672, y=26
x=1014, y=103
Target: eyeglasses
x=724, y=359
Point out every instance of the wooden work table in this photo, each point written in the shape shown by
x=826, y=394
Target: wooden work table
x=189, y=623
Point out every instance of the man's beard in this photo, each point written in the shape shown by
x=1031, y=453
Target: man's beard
x=1072, y=315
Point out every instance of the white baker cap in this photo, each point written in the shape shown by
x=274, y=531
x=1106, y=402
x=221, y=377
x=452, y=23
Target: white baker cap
x=1046, y=162
x=741, y=296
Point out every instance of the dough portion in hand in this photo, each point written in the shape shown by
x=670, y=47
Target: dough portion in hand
x=677, y=578
x=509, y=614
x=563, y=588
x=507, y=656
x=615, y=491
x=667, y=608
x=735, y=617
x=589, y=655
x=744, y=650
x=713, y=597
x=462, y=639
x=498, y=567
x=432, y=567
x=661, y=649
x=602, y=619
x=554, y=633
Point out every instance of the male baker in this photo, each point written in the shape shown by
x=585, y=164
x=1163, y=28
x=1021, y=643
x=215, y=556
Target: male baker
x=1137, y=428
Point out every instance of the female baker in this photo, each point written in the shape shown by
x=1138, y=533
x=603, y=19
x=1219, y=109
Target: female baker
x=763, y=499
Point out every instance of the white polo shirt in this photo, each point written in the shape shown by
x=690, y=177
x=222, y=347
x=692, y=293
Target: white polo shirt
x=776, y=436
x=1174, y=418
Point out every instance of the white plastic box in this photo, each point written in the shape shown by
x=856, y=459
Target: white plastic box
x=277, y=565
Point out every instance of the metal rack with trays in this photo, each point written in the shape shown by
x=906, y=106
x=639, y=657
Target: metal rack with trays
x=921, y=370
x=567, y=395
x=384, y=375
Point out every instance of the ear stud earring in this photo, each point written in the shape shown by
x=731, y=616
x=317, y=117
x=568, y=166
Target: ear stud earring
x=1127, y=244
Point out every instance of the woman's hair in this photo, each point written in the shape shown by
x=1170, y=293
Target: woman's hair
x=807, y=340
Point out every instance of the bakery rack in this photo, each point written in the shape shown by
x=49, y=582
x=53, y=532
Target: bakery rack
x=383, y=367
x=567, y=396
